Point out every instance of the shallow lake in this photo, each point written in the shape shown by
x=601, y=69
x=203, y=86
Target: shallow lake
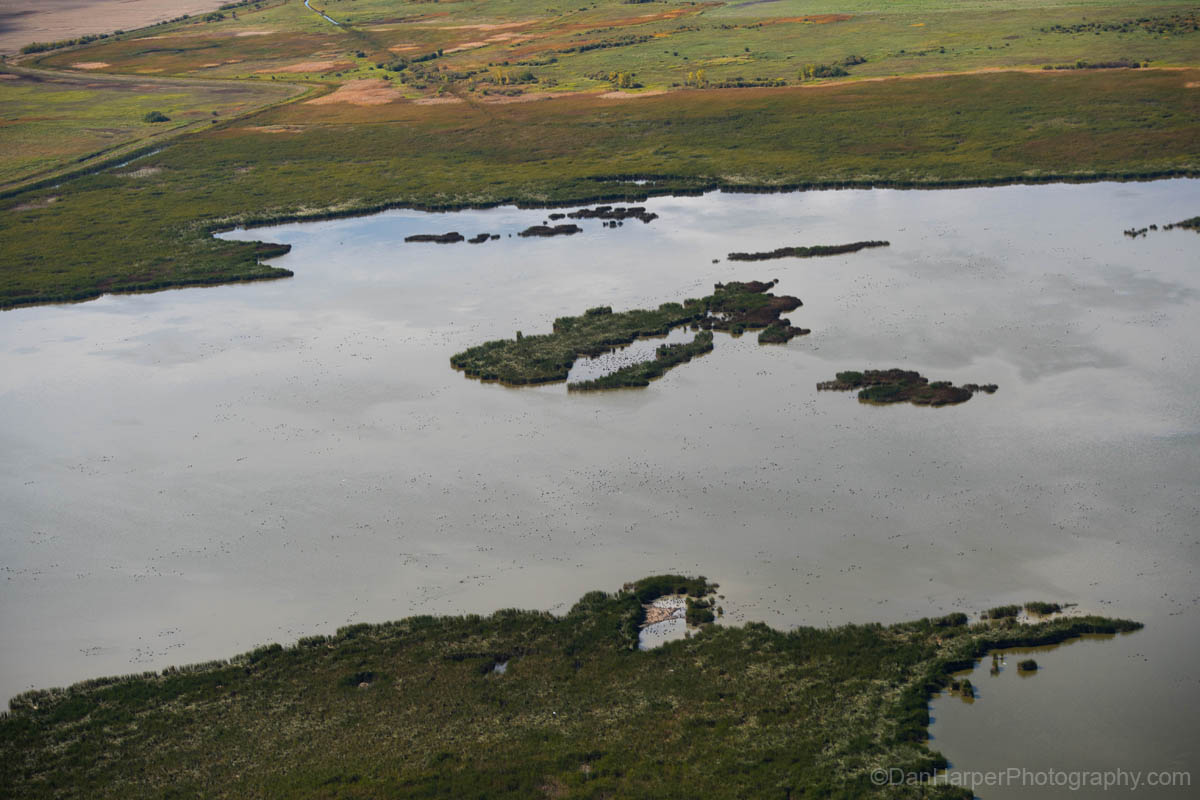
x=192, y=473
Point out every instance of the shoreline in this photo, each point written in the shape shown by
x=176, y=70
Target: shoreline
x=366, y=673
x=271, y=250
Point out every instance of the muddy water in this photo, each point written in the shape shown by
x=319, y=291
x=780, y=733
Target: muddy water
x=1089, y=712
x=192, y=473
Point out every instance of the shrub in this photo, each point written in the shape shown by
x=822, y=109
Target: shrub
x=1039, y=607
x=699, y=612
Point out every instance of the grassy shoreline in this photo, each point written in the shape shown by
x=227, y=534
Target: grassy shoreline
x=110, y=231
x=415, y=708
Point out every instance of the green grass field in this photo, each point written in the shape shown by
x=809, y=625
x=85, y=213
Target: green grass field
x=50, y=121
x=662, y=45
x=417, y=709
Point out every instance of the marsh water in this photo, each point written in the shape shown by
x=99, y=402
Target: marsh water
x=192, y=473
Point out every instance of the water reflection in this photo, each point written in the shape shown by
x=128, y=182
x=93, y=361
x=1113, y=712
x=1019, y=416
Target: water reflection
x=192, y=473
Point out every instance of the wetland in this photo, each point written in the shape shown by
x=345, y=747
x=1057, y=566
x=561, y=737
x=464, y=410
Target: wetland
x=278, y=460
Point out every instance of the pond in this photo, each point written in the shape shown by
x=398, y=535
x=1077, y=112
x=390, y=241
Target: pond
x=192, y=473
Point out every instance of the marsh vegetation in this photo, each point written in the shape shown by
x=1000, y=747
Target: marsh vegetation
x=806, y=252
x=419, y=707
x=641, y=373
x=545, y=358
x=902, y=386
x=312, y=161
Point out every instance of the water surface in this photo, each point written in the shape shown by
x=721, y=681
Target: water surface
x=192, y=473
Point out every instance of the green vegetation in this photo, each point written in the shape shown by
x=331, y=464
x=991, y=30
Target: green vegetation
x=1083, y=64
x=620, y=213
x=806, y=252
x=700, y=612
x=57, y=123
x=550, y=230
x=547, y=358
x=1002, y=612
x=664, y=45
x=780, y=333
x=416, y=708
x=1042, y=608
x=308, y=161
x=43, y=47
x=156, y=116
x=469, y=146
x=666, y=356
x=902, y=386
x=1173, y=25
x=1192, y=224
x=438, y=238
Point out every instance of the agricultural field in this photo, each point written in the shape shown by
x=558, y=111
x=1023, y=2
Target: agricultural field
x=51, y=120
x=489, y=47
x=25, y=21
x=477, y=46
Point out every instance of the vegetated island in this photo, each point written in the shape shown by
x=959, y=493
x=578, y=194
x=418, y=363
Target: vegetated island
x=903, y=386
x=452, y=237
x=551, y=230
x=1192, y=224
x=666, y=356
x=807, y=252
x=521, y=704
x=733, y=307
x=617, y=214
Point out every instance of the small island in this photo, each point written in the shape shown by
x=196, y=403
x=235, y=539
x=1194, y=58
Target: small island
x=550, y=230
x=1190, y=224
x=807, y=252
x=732, y=307
x=439, y=238
x=902, y=386
x=617, y=214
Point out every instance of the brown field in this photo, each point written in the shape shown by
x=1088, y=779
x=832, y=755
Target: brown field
x=361, y=93
x=310, y=66
x=25, y=21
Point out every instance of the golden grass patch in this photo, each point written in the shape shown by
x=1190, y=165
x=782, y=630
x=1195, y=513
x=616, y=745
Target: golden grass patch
x=366, y=92
x=630, y=95
x=310, y=66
